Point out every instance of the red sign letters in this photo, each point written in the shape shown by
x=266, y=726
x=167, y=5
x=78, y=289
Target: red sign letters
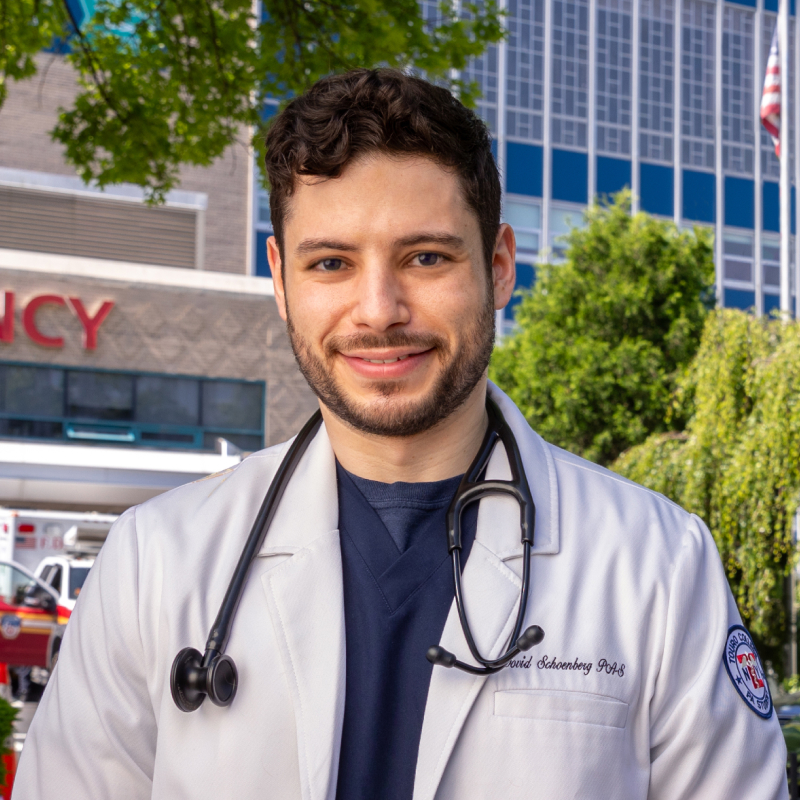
x=91, y=322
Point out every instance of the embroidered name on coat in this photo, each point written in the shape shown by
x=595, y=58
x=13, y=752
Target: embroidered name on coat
x=603, y=665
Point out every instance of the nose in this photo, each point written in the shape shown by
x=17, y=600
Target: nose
x=380, y=301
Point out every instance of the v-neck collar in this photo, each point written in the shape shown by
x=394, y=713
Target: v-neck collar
x=397, y=575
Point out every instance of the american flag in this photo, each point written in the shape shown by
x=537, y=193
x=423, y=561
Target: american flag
x=771, y=97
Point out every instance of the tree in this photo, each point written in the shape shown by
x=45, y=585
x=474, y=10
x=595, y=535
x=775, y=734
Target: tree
x=601, y=338
x=171, y=82
x=737, y=464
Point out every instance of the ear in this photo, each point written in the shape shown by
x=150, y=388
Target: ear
x=504, y=270
x=276, y=267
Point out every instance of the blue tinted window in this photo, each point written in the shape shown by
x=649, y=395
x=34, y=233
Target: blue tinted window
x=524, y=169
x=739, y=210
x=657, y=189
x=772, y=302
x=262, y=264
x=739, y=298
x=570, y=176
x=613, y=174
x=699, y=196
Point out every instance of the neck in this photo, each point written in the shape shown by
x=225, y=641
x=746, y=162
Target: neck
x=444, y=451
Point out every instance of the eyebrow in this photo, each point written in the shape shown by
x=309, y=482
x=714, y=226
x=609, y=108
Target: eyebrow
x=312, y=245
x=444, y=239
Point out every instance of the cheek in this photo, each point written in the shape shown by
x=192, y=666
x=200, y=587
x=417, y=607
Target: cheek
x=454, y=302
x=314, y=309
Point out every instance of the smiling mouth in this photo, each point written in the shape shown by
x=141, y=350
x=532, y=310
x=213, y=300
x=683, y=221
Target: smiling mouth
x=384, y=360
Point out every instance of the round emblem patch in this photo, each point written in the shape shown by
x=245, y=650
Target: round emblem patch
x=746, y=672
x=10, y=626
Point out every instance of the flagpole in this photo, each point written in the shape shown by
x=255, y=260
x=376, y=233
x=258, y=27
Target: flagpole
x=785, y=186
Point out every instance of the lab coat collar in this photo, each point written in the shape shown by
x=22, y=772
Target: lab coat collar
x=305, y=598
x=310, y=505
x=502, y=535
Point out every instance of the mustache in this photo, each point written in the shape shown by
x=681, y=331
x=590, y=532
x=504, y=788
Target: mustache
x=372, y=341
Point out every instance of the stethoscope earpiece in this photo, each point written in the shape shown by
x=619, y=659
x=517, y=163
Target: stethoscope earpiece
x=530, y=638
x=440, y=657
x=191, y=682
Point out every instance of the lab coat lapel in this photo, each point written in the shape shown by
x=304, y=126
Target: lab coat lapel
x=491, y=594
x=306, y=602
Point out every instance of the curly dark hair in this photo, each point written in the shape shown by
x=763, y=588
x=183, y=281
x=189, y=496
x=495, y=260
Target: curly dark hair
x=342, y=117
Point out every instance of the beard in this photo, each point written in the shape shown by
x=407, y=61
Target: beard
x=460, y=371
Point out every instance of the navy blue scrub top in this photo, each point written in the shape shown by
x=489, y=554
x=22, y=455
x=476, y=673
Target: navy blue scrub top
x=398, y=589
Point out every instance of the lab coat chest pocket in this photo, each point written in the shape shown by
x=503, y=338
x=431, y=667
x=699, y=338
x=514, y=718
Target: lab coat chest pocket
x=561, y=706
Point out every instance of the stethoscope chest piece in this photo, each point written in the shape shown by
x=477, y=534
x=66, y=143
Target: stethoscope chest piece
x=191, y=682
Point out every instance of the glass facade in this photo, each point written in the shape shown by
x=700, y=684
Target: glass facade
x=738, y=73
x=698, y=99
x=656, y=80
x=673, y=114
x=104, y=407
x=613, y=77
x=570, y=72
x=525, y=70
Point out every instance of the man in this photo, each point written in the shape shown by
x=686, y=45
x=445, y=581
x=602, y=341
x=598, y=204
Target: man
x=389, y=261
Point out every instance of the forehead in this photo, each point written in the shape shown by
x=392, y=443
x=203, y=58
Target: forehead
x=380, y=195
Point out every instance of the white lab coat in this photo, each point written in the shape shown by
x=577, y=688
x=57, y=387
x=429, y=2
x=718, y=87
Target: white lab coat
x=618, y=573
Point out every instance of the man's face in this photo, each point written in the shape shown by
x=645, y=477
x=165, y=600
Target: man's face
x=388, y=303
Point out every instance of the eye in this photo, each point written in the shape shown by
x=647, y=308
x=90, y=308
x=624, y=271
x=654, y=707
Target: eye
x=329, y=264
x=428, y=259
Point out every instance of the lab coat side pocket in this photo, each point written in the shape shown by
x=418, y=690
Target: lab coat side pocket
x=561, y=706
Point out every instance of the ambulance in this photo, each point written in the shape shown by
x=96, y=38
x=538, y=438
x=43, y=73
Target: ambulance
x=45, y=557
x=27, y=536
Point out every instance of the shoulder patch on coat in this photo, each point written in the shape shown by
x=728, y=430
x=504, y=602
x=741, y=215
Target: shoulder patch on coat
x=746, y=671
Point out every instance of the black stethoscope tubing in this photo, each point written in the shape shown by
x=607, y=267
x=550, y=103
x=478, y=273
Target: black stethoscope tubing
x=214, y=674
x=471, y=490
x=194, y=676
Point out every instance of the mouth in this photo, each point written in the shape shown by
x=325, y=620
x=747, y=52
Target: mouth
x=385, y=365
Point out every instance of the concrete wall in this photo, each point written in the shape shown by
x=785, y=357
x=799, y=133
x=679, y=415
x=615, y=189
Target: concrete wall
x=30, y=112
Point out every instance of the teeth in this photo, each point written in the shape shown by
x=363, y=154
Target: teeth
x=384, y=360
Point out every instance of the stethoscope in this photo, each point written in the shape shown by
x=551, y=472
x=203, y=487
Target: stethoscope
x=213, y=674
